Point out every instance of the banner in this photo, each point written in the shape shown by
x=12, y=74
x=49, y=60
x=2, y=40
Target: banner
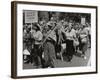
x=31, y=16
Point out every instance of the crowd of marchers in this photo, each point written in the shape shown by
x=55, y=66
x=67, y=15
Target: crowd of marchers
x=44, y=42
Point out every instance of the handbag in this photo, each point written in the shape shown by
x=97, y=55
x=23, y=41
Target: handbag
x=76, y=42
x=84, y=40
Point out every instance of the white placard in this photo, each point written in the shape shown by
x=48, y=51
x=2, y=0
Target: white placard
x=31, y=16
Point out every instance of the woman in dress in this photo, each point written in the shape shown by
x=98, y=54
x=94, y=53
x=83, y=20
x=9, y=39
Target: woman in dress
x=83, y=38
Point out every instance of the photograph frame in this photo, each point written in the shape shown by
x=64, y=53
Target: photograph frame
x=14, y=45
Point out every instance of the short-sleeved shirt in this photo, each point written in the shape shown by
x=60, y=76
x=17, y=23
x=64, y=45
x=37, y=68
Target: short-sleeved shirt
x=70, y=35
x=37, y=36
x=83, y=33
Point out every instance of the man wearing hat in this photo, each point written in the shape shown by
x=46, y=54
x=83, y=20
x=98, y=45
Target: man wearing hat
x=49, y=47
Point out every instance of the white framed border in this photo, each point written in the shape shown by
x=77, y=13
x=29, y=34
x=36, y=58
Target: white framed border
x=67, y=70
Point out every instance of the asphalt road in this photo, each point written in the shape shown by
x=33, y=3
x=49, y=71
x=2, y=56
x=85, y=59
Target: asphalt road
x=77, y=61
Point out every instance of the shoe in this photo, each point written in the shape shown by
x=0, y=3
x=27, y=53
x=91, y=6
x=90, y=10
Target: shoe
x=84, y=57
x=49, y=67
x=26, y=62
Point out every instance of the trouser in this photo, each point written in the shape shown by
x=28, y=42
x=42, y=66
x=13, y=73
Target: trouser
x=69, y=49
x=82, y=46
x=49, y=54
x=37, y=55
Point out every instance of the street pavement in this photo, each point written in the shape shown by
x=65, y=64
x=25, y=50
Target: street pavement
x=76, y=61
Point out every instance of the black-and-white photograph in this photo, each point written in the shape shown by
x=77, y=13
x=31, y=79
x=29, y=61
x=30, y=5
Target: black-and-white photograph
x=53, y=39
